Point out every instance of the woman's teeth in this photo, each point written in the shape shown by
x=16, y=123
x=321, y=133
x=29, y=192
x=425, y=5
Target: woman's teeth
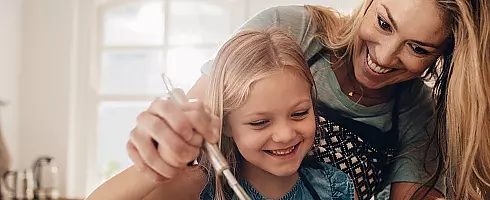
x=282, y=152
x=376, y=68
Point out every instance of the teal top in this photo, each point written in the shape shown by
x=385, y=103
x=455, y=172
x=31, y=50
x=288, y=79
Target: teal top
x=415, y=110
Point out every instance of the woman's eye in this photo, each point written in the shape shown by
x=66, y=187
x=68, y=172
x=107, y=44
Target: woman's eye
x=419, y=50
x=383, y=24
x=258, y=123
x=300, y=114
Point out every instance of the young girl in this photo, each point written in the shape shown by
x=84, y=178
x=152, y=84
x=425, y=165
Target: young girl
x=262, y=92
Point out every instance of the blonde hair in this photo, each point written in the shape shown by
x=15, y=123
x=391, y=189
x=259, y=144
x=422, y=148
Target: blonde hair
x=462, y=89
x=338, y=33
x=468, y=109
x=243, y=60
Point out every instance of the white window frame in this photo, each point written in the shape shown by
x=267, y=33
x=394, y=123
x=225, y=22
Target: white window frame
x=88, y=110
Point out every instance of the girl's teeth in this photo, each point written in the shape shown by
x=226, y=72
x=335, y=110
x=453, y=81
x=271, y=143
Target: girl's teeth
x=376, y=68
x=283, y=151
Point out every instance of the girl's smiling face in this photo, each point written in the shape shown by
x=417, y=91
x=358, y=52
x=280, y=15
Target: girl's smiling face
x=275, y=128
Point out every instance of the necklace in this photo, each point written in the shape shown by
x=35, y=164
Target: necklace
x=353, y=91
x=352, y=83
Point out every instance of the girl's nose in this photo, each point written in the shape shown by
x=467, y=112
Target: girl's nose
x=283, y=133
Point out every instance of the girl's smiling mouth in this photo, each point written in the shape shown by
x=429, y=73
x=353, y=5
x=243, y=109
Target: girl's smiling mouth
x=283, y=153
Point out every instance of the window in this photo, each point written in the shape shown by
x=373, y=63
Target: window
x=139, y=40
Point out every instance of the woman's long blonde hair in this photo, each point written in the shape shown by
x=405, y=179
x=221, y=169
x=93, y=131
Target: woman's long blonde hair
x=246, y=58
x=468, y=99
x=462, y=89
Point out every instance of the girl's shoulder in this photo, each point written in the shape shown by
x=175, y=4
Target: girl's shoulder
x=328, y=181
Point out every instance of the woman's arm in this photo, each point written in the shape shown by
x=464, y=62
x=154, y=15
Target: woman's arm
x=132, y=184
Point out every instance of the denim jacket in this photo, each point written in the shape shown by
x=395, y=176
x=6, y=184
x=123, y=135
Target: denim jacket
x=327, y=183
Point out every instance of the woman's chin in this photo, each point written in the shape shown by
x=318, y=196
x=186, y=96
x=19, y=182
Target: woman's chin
x=366, y=83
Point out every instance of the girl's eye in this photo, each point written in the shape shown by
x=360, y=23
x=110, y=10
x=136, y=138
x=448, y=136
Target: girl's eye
x=300, y=114
x=383, y=24
x=259, y=123
x=419, y=50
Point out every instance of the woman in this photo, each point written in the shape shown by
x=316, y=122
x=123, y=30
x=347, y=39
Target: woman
x=376, y=119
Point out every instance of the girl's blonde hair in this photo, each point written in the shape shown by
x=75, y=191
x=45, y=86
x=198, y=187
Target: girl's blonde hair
x=462, y=89
x=244, y=59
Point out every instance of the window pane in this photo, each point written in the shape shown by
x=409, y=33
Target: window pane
x=343, y=6
x=198, y=22
x=132, y=72
x=184, y=65
x=138, y=23
x=115, y=122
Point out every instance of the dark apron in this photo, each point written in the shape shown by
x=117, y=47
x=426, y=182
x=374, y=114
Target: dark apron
x=362, y=151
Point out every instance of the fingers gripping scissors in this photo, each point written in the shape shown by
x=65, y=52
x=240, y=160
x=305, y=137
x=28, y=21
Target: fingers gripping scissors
x=217, y=159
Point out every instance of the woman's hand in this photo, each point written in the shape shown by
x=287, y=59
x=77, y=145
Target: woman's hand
x=168, y=136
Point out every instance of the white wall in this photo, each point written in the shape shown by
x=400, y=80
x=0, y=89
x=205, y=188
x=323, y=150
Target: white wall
x=46, y=81
x=56, y=54
x=10, y=34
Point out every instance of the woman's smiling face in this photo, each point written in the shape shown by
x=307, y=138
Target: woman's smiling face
x=399, y=40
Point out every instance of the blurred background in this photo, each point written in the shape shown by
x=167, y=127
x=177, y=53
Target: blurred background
x=75, y=73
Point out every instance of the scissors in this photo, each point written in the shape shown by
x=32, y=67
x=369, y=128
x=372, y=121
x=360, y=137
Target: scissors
x=217, y=159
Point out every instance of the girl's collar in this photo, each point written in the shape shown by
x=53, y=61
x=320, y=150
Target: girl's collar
x=254, y=194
